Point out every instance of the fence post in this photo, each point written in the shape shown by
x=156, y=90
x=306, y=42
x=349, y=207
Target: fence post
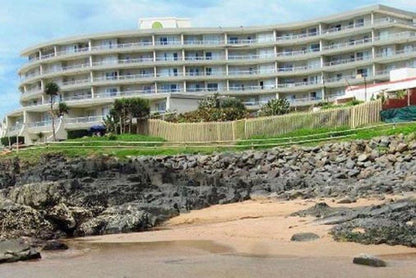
x=233, y=128
x=245, y=129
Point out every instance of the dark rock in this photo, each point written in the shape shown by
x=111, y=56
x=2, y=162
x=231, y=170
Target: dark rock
x=52, y=245
x=369, y=260
x=347, y=200
x=304, y=237
x=17, y=250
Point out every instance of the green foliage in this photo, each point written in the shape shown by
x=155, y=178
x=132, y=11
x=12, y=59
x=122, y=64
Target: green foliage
x=51, y=89
x=79, y=133
x=329, y=105
x=5, y=140
x=62, y=109
x=401, y=94
x=275, y=107
x=124, y=111
x=213, y=109
x=210, y=102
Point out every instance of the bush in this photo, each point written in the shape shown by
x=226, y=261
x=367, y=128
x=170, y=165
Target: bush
x=213, y=109
x=5, y=140
x=79, y=133
x=275, y=107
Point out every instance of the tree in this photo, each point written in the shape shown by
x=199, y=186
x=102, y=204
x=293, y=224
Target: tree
x=275, y=107
x=124, y=111
x=52, y=89
x=62, y=109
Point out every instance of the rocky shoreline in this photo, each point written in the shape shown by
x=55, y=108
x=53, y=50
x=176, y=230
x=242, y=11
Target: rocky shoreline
x=61, y=197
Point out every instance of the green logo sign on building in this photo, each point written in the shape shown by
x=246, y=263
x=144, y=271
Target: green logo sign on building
x=157, y=25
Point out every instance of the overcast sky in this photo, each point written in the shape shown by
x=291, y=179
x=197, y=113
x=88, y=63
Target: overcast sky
x=27, y=22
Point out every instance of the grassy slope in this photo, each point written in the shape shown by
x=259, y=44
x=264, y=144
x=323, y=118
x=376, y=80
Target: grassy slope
x=101, y=145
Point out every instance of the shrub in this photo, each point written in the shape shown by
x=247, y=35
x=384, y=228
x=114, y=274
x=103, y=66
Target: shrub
x=213, y=109
x=79, y=133
x=275, y=107
x=13, y=140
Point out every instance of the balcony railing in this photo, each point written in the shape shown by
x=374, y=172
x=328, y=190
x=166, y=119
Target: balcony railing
x=203, y=42
x=15, y=127
x=123, y=77
x=76, y=82
x=347, y=44
x=297, y=52
x=303, y=101
x=251, y=57
x=346, y=27
x=395, y=53
x=169, y=74
x=77, y=97
x=250, y=72
x=296, y=36
x=346, y=61
x=297, y=68
x=201, y=58
x=251, y=87
x=80, y=120
x=298, y=84
x=124, y=93
x=40, y=124
x=168, y=42
x=406, y=34
x=202, y=73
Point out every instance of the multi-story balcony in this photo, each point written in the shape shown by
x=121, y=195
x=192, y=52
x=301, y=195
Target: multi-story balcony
x=15, y=128
x=289, y=87
x=347, y=61
x=388, y=57
x=304, y=101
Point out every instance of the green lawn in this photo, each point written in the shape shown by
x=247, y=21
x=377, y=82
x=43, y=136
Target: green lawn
x=137, y=145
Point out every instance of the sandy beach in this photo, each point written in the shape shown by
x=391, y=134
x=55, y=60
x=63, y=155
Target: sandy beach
x=236, y=240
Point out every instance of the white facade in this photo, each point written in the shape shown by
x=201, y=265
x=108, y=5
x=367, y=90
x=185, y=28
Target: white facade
x=400, y=79
x=305, y=62
x=164, y=22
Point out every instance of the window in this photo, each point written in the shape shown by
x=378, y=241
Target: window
x=360, y=56
x=175, y=72
x=362, y=72
x=175, y=56
x=312, y=95
x=233, y=40
x=359, y=22
x=163, y=40
x=312, y=31
x=111, y=75
x=212, y=87
x=147, y=89
x=173, y=88
x=315, y=47
x=208, y=71
x=208, y=55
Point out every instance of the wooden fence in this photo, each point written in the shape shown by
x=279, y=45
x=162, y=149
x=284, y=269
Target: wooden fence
x=353, y=117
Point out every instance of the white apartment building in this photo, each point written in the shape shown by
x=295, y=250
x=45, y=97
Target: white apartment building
x=173, y=65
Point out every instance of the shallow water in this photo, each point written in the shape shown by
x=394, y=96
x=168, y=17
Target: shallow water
x=192, y=259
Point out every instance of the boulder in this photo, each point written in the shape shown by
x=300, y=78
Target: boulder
x=53, y=245
x=369, y=260
x=14, y=250
x=304, y=237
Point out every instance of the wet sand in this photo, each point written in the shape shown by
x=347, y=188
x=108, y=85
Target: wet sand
x=250, y=239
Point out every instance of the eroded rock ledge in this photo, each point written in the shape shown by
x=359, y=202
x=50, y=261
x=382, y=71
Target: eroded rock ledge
x=61, y=197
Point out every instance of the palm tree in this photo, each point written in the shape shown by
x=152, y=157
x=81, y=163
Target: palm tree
x=52, y=89
x=62, y=109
